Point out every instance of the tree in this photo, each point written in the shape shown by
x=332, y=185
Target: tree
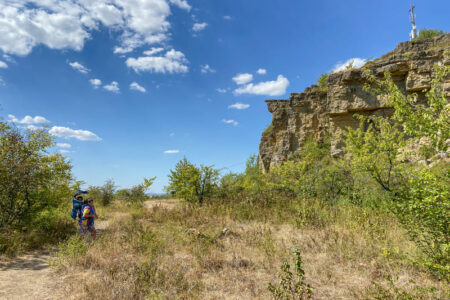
x=30, y=179
x=191, y=183
x=419, y=193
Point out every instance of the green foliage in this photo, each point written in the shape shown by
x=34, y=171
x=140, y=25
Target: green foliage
x=322, y=82
x=419, y=193
x=427, y=33
x=34, y=188
x=392, y=291
x=29, y=178
x=191, y=183
x=136, y=194
x=290, y=288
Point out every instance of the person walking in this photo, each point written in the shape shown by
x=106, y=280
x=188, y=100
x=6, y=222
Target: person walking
x=88, y=216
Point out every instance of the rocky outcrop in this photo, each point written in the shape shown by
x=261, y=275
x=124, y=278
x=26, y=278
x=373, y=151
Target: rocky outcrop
x=319, y=112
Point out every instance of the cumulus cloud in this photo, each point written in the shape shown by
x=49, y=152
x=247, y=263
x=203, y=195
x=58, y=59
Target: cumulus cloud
x=227, y=18
x=172, y=62
x=68, y=24
x=207, y=69
x=223, y=91
x=268, y=88
x=112, y=87
x=3, y=65
x=199, y=26
x=28, y=120
x=355, y=62
x=181, y=4
x=69, y=133
x=243, y=78
x=95, y=82
x=79, y=67
x=171, y=151
x=232, y=122
x=239, y=105
x=136, y=87
x=262, y=71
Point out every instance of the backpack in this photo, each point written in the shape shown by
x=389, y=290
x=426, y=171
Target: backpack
x=77, y=207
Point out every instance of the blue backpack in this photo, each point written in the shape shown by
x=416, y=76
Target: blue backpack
x=77, y=206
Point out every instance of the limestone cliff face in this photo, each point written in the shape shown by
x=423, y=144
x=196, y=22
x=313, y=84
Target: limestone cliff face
x=319, y=113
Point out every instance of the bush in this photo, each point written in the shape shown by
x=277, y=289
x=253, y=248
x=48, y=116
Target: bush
x=291, y=288
x=427, y=34
x=191, y=183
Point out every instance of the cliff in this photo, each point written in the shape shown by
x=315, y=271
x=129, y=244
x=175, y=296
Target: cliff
x=320, y=112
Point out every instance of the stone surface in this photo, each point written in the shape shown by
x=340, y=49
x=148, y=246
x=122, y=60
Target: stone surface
x=320, y=113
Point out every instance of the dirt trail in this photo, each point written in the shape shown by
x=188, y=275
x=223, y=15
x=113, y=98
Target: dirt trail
x=30, y=277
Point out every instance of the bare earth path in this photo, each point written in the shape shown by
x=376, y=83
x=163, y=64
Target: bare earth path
x=30, y=277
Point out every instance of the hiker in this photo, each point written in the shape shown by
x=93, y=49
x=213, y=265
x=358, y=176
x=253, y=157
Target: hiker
x=88, y=215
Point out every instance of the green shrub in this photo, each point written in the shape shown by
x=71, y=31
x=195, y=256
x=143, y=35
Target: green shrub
x=268, y=130
x=290, y=287
x=427, y=34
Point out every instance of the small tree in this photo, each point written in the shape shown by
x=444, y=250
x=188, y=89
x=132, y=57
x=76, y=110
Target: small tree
x=30, y=179
x=419, y=193
x=108, y=190
x=191, y=183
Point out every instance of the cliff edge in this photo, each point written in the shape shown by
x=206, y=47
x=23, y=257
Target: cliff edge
x=326, y=111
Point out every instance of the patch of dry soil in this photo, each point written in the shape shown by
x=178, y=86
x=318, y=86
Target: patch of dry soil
x=29, y=277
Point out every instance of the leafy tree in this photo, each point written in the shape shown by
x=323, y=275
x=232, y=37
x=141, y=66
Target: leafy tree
x=108, y=190
x=419, y=193
x=322, y=82
x=191, y=183
x=30, y=179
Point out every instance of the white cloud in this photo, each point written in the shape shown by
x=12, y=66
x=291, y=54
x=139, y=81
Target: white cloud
x=28, y=120
x=172, y=62
x=239, y=105
x=112, y=87
x=171, y=151
x=181, y=4
x=227, y=18
x=120, y=50
x=356, y=62
x=199, y=26
x=268, y=88
x=8, y=58
x=31, y=127
x=262, y=71
x=68, y=133
x=95, y=82
x=223, y=91
x=207, y=69
x=68, y=24
x=233, y=122
x=63, y=145
x=63, y=151
x=2, y=82
x=153, y=51
x=172, y=134
x=243, y=78
x=3, y=65
x=79, y=67
x=135, y=86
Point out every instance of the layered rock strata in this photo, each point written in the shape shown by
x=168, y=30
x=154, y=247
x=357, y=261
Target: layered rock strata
x=319, y=112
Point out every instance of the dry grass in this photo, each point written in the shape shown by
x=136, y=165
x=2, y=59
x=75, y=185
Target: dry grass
x=176, y=252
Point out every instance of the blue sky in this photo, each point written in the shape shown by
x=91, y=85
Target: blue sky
x=129, y=87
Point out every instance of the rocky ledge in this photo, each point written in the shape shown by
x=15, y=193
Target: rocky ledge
x=319, y=112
